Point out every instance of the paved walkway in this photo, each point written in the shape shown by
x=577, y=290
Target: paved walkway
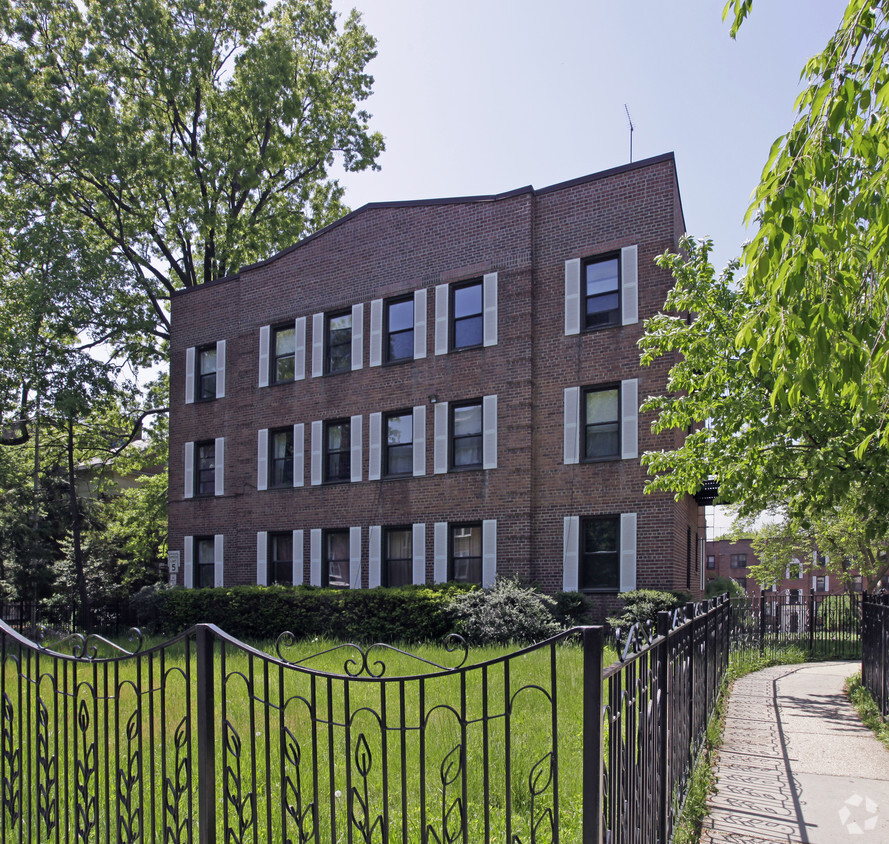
x=797, y=764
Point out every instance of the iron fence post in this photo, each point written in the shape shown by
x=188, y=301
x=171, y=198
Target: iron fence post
x=593, y=740
x=811, y=621
x=762, y=623
x=206, y=768
x=663, y=630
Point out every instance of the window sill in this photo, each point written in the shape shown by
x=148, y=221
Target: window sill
x=466, y=348
x=612, y=458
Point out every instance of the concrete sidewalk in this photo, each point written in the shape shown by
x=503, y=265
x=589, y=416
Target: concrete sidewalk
x=797, y=764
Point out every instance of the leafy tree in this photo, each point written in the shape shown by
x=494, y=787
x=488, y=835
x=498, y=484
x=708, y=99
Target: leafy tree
x=816, y=269
x=187, y=138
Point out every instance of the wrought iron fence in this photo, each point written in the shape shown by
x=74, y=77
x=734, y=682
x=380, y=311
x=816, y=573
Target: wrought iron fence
x=875, y=648
x=204, y=739
x=823, y=626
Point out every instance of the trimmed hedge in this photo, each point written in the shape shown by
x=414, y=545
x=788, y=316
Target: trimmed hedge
x=408, y=614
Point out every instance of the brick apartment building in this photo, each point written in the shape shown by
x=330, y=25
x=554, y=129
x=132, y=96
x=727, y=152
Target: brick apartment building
x=733, y=558
x=435, y=390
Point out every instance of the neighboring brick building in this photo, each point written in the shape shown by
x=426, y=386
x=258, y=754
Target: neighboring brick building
x=725, y=558
x=434, y=390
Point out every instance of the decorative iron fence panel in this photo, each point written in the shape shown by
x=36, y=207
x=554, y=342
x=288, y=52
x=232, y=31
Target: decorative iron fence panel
x=823, y=626
x=875, y=648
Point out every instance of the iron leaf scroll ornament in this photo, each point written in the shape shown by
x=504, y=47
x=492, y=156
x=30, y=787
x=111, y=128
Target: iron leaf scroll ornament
x=85, y=778
x=12, y=763
x=129, y=827
x=361, y=819
x=47, y=794
x=176, y=790
x=240, y=803
x=359, y=662
x=453, y=816
x=87, y=647
x=293, y=794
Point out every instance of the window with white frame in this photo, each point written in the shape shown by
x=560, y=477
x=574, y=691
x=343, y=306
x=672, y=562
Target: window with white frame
x=601, y=422
x=282, y=353
x=466, y=314
x=205, y=372
x=599, y=553
x=465, y=435
x=204, y=462
x=203, y=563
x=601, y=291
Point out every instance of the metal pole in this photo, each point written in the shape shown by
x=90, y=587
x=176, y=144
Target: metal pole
x=206, y=770
x=593, y=740
x=811, y=620
x=663, y=664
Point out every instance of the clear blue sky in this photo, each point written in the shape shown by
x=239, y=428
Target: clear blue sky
x=483, y=96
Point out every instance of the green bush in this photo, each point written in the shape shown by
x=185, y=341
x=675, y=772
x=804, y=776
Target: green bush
x=572, y=609
x=644, y=605
x=407, y=614
x=509, y=613
x=722, y=584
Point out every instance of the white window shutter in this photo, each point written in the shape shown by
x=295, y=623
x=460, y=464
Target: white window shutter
x=374, y=551
x=441, y=319
x=440, y=552
x=189, y=375
x=355, y=557
x=627, y=552
x=220, y=369
x=572, y=296
x=264, y=355
x=419, y=440
x=375, y=446
x=489, y=286
x=570, y=553
x=299, y=454
x=572, y=425
x=317, y=345
x=440, y=448
x=317, y=437
x=419, y=553
x=355, y=456
x=629, y=285
x=419, y=324
x=315, y=557
x=629, y=419
x=357, y=337
x=262, y=549
x=189, y=470
x=297, y=558
x=489, y=427
x=219, y=468
x=814, y=581
x=489, y=553
x=218, y=564
x=376, y=333
x=827, y=583
x=299, y=349
x=262, y=459
x=188, y=562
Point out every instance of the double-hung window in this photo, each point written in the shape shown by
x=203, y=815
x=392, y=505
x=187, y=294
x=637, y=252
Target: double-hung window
x=399, y=444
x=337, y=451
x=466, y=436
x=467, y=315
x=205, y=561
x=738, y=561
x=400, y=330
x=465, y=558
x=206, y=373
x=339, y=342
x=335, y=562
x=711, y=561
x=398, y=558
x=205, y=468
x=601, y=291
x=281, y=558
x=281, y=457
x=284, y=354
x=600, y=554
x=601, y=423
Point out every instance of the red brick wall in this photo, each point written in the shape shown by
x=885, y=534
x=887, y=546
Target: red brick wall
x=383, y=251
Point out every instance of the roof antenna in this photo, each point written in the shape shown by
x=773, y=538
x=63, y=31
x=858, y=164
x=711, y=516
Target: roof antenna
x=630, y=121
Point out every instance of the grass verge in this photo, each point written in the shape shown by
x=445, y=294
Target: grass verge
x=867, y=708
x=703, y=783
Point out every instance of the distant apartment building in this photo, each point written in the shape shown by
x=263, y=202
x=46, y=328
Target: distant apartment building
x=808, y=572
x=436, y=390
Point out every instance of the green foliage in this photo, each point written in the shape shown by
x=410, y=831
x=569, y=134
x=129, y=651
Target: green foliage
x=187, y=139
x=644, y=605
x=572, y=609
x=510, y=612
x=722, y=585
x=867, y=707
x=406, y=614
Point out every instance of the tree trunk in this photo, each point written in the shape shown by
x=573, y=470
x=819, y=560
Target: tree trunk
x=84, y=615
